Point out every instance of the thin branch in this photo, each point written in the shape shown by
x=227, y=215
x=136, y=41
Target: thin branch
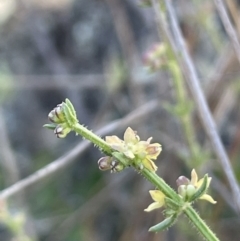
x=65, y=160
x=198, y=96
x=228, y=26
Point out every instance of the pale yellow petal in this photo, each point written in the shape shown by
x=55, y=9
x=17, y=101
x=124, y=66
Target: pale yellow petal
x=150, y=165
x=116, y=143
x=194, y=177
x=142, y=144
x=208, y=198
x=149, y=140
x=113, y=140
x=153, y=150
x=129, y=154
x=157, y=196
x=118, y=147
x=153, y=206
x=209, y=181
x=130, y=136
x=200, y=182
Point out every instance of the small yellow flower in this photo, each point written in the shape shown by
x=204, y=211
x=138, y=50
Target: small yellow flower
x=197, y=184
x=188, y=188
x=159, y=199
x=133, y=148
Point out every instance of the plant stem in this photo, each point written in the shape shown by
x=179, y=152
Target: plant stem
x=160, y=184
x=192, y=215
x=98, y=141
x=186, y=119
x=154, y=179
x=202, y=227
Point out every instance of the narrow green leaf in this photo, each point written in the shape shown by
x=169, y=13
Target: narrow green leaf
x=71, y=107
x=70, y=118
x=50, y=126
x=201, y=190
x=166, y=223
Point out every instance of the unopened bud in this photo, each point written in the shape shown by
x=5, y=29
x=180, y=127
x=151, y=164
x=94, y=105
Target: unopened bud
x=182, y=191
x=116, y=166
x=182, y=180
x=190, y=191
x=61, y=131
x=104, y=163
x=57, y=114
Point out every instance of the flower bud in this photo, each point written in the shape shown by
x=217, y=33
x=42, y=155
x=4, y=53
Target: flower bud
x=57, y=114
x=186, y=191
x=190, y=190
x=104, y=163
x=61, y=131
x=182, y=191
x=182, y=180
x=116, y=166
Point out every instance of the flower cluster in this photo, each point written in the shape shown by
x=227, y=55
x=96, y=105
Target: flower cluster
x=142, y=153
x=187, y=190
x=63, y=117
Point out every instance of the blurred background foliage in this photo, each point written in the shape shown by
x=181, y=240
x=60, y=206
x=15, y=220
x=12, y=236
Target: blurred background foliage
x=91, y=51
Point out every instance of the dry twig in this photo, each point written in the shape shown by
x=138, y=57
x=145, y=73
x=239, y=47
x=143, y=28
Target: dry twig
x=228, y=26
x=198, y=96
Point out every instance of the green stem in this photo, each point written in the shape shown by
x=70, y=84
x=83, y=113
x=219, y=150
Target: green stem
x=154, y=179
x=202, y=227
x=177, y=79
x=98, y=141
x=185, y=119
x=160, y=184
